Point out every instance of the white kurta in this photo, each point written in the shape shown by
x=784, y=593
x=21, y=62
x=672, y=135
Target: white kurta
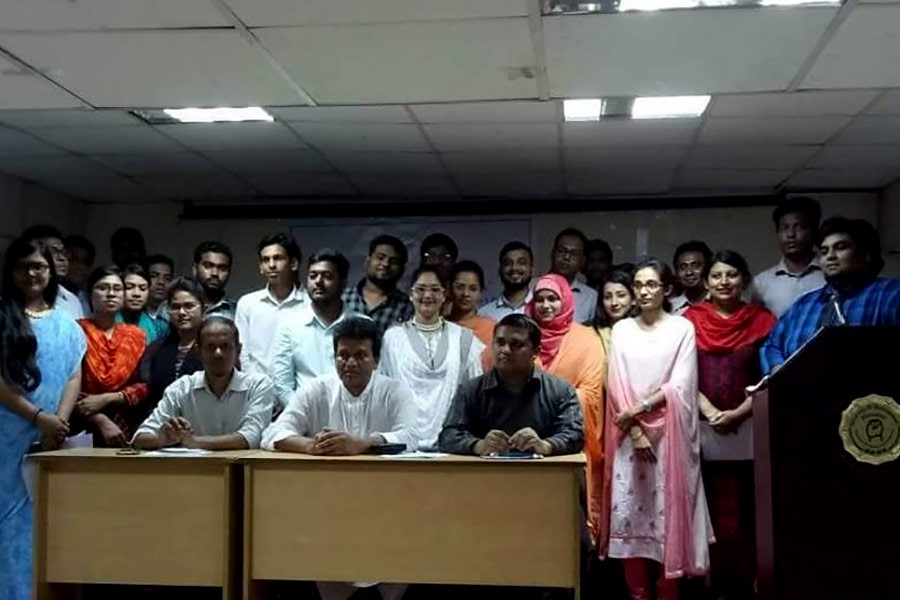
x=432, y=376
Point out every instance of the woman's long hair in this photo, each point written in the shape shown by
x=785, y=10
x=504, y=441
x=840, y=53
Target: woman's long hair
x=624, y=278
x=18, y=344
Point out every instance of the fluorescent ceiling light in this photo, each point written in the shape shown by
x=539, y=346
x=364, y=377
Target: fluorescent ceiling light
x=799, y=2
x=587, y=109
x=213, y=115
x=630, y=5
x=663, y=107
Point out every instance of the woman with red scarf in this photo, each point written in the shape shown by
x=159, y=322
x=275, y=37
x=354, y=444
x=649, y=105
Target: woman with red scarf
x=573, y=353
x=729, y=334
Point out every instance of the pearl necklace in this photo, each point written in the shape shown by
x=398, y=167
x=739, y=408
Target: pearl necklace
x=38, y=314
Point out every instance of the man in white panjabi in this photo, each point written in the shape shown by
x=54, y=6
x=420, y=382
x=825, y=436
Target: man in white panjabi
x=430, y=355
x=347, y=414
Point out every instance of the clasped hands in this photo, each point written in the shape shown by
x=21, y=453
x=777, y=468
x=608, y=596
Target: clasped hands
x=525, y=440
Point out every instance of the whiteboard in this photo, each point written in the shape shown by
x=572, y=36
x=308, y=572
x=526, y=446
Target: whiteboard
x=478, y=239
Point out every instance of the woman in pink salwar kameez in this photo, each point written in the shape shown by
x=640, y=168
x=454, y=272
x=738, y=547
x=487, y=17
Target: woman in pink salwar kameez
x=654, y=504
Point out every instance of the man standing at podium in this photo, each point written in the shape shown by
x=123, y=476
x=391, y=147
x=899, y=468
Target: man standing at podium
x=850, y=256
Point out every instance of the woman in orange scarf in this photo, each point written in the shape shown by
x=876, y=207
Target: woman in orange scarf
x=729, y=334
x=573, y=352
x=112, y=394
x=466, y=285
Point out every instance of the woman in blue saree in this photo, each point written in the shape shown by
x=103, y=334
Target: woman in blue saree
x=40, y=378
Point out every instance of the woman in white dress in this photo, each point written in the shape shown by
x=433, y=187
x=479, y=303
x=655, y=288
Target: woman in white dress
x=655, y=504
x=430, y=355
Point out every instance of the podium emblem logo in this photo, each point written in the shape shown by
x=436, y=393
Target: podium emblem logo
x=870, y=429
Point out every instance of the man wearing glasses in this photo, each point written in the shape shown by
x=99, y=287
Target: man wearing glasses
x=52, y=239
x=567, y=260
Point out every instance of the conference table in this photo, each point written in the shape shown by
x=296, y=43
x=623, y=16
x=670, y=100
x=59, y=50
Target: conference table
x=241, y=521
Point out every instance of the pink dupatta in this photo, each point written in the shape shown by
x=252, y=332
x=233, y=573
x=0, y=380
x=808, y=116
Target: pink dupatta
x=674, y=424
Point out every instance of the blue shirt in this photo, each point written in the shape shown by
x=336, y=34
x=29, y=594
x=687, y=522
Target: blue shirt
x=877, y=303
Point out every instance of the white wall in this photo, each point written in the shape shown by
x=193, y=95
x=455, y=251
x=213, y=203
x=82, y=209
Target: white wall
x=23, y=204
x=748, y=230
x=889, y=228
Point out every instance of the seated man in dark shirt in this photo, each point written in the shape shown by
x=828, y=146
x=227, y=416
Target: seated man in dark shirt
x=515, y=405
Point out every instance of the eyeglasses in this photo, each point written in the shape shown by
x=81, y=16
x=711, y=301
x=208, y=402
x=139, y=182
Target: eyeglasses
x=59, y=251
x=422, y=291
x=651, y=286
x=568, y=252
x=32, y=267
x=187, y=307
x=437, y=258
x=359, y=357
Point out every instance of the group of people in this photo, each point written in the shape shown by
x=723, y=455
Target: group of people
x=642, y=367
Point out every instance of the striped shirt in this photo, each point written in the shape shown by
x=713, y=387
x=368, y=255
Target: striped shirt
x=876, y=303
x=395, y=309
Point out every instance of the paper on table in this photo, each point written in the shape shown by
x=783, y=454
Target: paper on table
x=731, y=446
x=179, y=452
x=418, y=454
x=82, y=440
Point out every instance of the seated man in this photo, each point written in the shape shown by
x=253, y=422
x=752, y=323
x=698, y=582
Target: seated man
x=514, y=406
x=218, y=408
x=347, y=414
x=850, y=257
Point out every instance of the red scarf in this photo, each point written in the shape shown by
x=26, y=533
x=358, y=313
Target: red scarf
x=553, y=332
x=717, y=334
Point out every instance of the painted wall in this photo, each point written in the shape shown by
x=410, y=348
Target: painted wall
x=889, y=228
x=23, y=204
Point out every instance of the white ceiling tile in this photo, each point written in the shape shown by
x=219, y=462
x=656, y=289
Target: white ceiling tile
x=771, y=131
x=609, y=159
x=37, y=119
x=386, y=185
x=265, y=161
x=627, y=132
x=797, y=104
x=733, y=179
x=16, y=143
x=42, y=167
x=21, y=89
x=343, y=114
x=487, y=112
x=46, y=15
x=315, y=12
x=535, y=184
x=857, y=157
x=107, y=140
x=413, y=164
x=588, y=182
x=215, y=137
x=510, y=161
x=362, y=136
x=463, y=137
x=750, y=157
x=302, y=184
x=829, y=179
x=184, y=187
x=173, y=68
x=871, y=130
x=680, y=52
x=863, y=52
x=408, y=62
x=888, y=104
x=156, y=164
x=107, y=187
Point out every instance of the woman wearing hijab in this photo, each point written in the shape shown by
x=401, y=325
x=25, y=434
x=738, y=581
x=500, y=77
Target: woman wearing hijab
x=573, y=352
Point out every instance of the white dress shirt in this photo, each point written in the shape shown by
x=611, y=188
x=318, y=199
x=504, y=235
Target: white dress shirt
x=777, y=288
x=585, y=301
x=302, y=350
x=69, y=303
x=244, y=408
x=500, y=307
x=257, y=317
x=386, y=408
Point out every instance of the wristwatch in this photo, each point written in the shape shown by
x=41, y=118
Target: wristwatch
x=646, y=404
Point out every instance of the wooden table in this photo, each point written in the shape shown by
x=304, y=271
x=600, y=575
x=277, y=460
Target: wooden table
x=104, y=518
x=453, y=520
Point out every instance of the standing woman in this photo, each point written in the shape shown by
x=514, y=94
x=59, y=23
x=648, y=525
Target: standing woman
x=616, y=303
x=466, y=286
x=729, y=335
x=111, y=388
x=176, y=354
x=654, y=504
x=134, y=310
x=40, y=377
x=572, y=352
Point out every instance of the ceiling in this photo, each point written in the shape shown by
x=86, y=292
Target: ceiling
x=443, y=99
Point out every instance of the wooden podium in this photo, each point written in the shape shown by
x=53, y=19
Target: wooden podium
x=827, y=524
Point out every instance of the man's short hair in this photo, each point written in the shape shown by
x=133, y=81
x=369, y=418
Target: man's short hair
x=358, y=328
x=214, y=247
x=803, y=205
x=394, y=242
x=467, y=266
x=863, y=234
x=515, y=245
x=334, y=257
x=41, y=232
x=691, y=246
x=521, y=322
x=160, y=259
x=439, y=239
x=571, y=232
x=79, y=241
x=282, y=239
x=598, y=245
x=218, y=320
